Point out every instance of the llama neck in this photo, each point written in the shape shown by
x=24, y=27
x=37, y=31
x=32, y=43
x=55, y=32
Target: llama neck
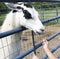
x=8, y=24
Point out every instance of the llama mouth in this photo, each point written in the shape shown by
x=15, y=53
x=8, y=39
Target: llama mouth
x=40, y=33
x=35, y=32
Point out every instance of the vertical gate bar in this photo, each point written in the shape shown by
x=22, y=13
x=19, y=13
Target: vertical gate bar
x=33, y=42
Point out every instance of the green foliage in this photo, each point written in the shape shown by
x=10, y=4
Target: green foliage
x=2, y=5
x=46, y=4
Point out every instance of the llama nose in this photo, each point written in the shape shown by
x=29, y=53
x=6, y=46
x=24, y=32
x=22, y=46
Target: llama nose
x=42, y=30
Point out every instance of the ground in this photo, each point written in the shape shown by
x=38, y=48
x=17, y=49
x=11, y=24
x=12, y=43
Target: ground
x=27, y=40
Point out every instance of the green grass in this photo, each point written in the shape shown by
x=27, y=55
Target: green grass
x=45, y=14
x=52, y=22
x=49, y=10
x=2, y=17
x=49, y=15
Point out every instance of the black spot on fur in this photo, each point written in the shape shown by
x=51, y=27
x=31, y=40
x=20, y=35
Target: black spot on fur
x=18, y=7
x=27, y=15
x=14, y=11
x=28, y=5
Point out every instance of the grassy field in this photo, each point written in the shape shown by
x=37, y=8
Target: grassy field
x=2, y=17
x=45, y=14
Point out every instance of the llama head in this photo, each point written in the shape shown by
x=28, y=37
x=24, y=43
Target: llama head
x=27, y=16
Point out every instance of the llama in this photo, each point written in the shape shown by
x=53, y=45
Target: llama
x=20, y=15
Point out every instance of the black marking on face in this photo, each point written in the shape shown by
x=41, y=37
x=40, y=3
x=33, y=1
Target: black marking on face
x=14, y=11
x=27, y=15
x=18, y=7
x=28, y=5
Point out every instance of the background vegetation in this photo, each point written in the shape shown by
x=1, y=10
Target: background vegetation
x=46, y=10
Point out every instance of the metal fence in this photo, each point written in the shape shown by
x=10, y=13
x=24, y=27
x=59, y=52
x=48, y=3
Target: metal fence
x=22, y=55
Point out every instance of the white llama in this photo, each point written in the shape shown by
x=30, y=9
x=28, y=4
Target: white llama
x=20, y=15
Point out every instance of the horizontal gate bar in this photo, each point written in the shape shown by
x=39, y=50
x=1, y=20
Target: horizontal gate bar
x=36, y=46
x=53, y=50
x=7, y=33
x=51, y=19
x=10, y=32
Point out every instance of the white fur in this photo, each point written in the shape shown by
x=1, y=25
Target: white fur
x=10, y=42
x=10, y=45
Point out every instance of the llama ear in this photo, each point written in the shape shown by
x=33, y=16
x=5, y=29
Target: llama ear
x=10, y=5
x=20, y=3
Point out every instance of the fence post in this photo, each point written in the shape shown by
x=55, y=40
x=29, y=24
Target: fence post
x=57, y=10
x=33, y=42
x=42, y=12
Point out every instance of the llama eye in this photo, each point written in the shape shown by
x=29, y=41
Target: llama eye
x=18, y=7
x=14, y=11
